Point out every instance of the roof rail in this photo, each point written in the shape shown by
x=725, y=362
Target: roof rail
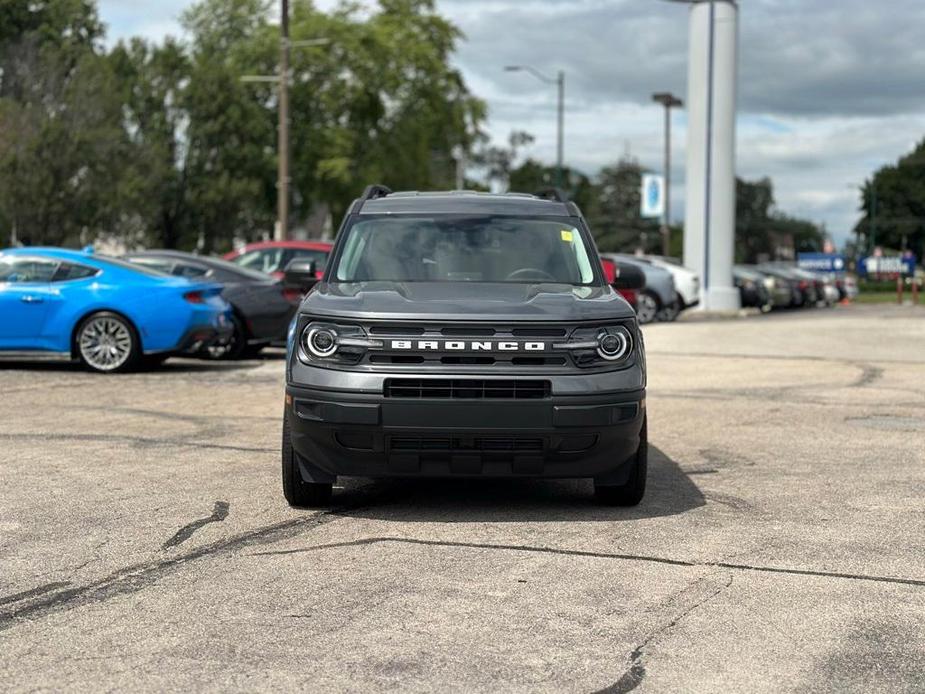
x=554, y=194
x=375, y=191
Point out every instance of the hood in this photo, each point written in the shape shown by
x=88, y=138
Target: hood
x=470, y=301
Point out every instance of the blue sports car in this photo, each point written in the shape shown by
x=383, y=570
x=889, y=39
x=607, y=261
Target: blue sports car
x=109, y=314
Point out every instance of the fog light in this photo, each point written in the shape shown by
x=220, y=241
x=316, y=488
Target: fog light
x=612, y=346
x=322, y=342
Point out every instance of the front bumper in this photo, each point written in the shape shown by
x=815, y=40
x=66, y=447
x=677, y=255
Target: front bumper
x=370, y=435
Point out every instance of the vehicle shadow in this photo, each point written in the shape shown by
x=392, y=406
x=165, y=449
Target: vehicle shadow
x=670, y=492
x=174, y=365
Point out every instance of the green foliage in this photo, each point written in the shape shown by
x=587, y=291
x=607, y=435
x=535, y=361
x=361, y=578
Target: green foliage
x=61, y=139
x=164, y=144
x=532, y=176
x=614, y=210
x=761, y=230
x=893, y=205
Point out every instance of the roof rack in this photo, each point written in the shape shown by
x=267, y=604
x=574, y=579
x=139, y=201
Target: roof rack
x=375, y=191
x=554, y=194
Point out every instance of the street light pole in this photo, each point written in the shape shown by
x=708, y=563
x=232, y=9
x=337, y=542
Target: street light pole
x=560, y=135
x=669, y=101
x=559, y=81
x=281, y=232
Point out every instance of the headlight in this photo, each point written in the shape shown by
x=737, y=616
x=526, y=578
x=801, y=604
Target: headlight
x=321, y=342
x=598, y=346
x=333, y=343
x=613, y=346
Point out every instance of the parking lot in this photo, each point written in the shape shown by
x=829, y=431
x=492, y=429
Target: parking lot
x=145, y=544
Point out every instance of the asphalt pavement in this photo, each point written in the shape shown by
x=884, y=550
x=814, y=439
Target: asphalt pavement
x=145, y=544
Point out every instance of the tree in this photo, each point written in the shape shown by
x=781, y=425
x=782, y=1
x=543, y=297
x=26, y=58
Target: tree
x=614, y=211
x=61, y=142
x=893, y=205
x=153, y=81
x=532, y=176
x=762, y=231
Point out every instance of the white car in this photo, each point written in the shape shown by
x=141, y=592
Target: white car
x=686, y=281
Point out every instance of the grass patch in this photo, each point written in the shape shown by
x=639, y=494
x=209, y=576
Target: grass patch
x=881, y=298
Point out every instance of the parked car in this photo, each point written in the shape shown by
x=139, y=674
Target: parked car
x=851, y=287
x=686, y=281
x=610, y=274
x=827, y=284
x=262, y=307
x=106, y=313
x=780, y=290
x=658, y=300
x=817, y=283
x=272, y=257
x=802, y=292
x=753, y=291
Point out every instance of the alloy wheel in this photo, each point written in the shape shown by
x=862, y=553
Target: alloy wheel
x=105, y=343
x=646, y=308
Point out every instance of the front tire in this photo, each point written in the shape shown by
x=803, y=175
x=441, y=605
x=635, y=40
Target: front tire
x=107, y=343
x=633, y=491
x=646, y=308
x=299, y=493
x=669, y=314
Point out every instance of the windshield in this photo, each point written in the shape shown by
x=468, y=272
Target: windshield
x=449, y=248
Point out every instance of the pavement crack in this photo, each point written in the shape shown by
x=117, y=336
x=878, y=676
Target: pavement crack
x=140, y=576
x=219, y=513
x=636, y=672
x=138, y=441
x=478, y=545
x=869, y=374
x=602, y=555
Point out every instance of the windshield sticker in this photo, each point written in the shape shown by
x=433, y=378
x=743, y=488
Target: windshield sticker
x=567, y=236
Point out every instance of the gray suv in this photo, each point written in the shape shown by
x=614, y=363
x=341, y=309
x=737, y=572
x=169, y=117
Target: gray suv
x=463, y=335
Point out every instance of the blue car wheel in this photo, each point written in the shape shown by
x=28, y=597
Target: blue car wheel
x=107, y=342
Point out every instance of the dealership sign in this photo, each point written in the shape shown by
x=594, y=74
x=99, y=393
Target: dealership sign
x=888, y=265
x=653, y=196
x=821, y=262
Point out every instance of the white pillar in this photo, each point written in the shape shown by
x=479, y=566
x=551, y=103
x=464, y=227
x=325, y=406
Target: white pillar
x=709, y=229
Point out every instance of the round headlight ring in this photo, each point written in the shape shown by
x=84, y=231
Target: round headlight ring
x=321, y=342
x=613, y=346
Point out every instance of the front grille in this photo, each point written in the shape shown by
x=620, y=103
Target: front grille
x=481, y=444
x=466, y=389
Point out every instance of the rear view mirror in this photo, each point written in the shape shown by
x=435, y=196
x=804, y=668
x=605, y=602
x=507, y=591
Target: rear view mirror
x=300, y=274
x=629, y=277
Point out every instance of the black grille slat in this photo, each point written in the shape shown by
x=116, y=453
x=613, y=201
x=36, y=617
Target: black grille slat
x=481, y=444
x=539, y=332
x=466, y=389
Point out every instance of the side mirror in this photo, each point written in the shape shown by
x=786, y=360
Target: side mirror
x=300, y=274
x=629, y=277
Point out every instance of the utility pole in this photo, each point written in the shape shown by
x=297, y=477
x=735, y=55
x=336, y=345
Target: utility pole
x=669, y=101
x=560, y=134
x=873, y=219
x=281, y=232
x=559, y=81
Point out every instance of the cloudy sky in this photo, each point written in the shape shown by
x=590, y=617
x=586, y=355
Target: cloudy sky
x=828, y=89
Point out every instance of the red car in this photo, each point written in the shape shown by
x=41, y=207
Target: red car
x=272, y=257
x=612, y=272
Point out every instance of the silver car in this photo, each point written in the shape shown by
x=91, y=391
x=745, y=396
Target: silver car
x=658, y=300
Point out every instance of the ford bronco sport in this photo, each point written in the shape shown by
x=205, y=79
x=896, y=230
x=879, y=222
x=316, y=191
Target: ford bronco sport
x=462, y=335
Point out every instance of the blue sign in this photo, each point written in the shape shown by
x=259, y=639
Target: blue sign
x=822, y=262
x=888, y=265
x=653, y=196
